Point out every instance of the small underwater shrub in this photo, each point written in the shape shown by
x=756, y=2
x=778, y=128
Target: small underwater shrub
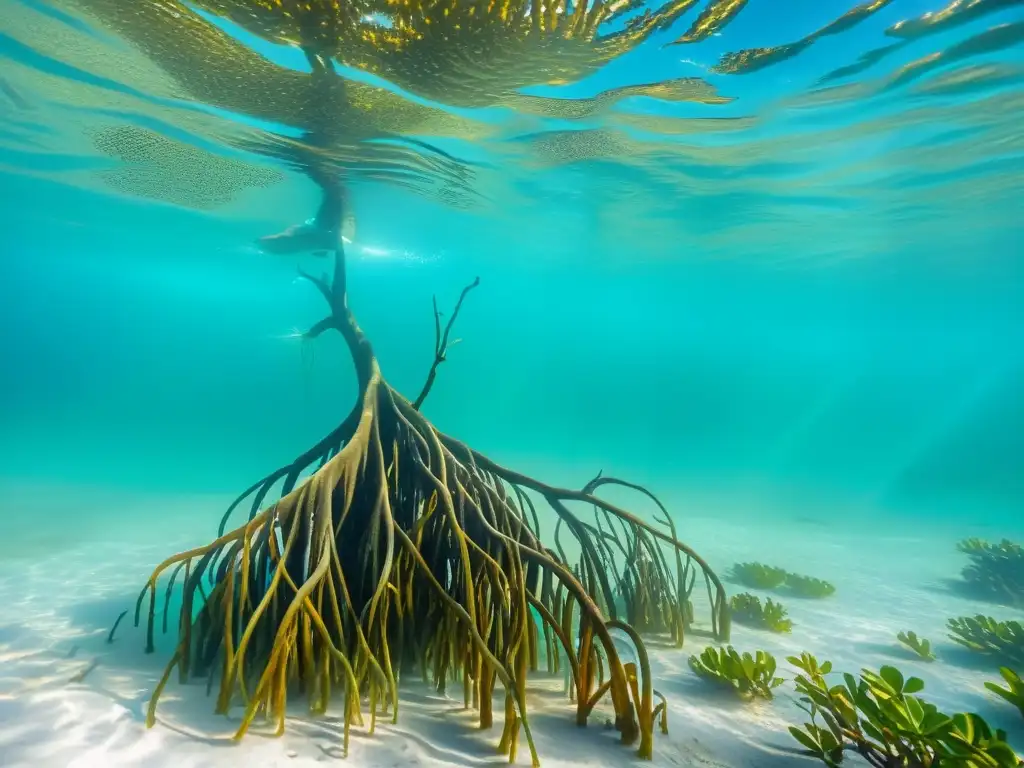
x=1014, y=692
x=808, y=586
x=996, y=571
x=918, y=645
x=758, y=575
x=983, y=634
x=747, y=609
x=972, y=546
x=768, y=577
x=750, y=676
x=879, y=717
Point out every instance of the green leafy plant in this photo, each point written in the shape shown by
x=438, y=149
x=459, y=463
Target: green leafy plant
x=984, y=634
x=750, y=676
x=996, y=571
x=972, y=546
x=758, y=575
x=1014, y=692
x=879, y=717
x=918, y=645
x=808, y=586
x=768, y=577
x=747, y=609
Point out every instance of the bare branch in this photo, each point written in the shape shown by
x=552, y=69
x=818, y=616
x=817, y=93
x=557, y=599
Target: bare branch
x=325, y=324
x=321, y=285
x=441, y=343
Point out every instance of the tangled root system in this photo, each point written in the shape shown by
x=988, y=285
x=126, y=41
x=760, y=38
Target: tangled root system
x=405, y=552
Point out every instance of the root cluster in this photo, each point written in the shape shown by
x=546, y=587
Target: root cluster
x=405, y=552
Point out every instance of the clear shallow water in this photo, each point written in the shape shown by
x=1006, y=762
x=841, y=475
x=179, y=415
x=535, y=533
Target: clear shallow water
x=824, y=295
x=774, y=296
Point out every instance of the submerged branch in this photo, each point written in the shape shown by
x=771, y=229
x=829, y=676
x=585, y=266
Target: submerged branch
x=441, y=342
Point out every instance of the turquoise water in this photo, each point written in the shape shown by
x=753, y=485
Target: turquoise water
x=799, y=302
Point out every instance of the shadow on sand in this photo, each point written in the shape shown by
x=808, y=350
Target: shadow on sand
x=985, y=602
x=431, y=729
x=891, y=652
x=965, y=658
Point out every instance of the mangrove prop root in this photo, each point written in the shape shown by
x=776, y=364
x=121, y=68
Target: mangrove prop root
x=113, y=629
x=405, y=552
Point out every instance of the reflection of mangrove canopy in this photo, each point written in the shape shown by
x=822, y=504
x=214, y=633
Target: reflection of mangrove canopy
x=955, y=14
x=471, y=54
x=456, y=53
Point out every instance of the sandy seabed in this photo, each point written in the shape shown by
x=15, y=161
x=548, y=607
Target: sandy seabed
x=68, y=698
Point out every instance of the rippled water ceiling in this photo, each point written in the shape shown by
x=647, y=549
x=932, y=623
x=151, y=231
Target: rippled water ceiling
x=720, y=122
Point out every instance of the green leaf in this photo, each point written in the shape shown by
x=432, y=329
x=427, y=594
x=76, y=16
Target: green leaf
x=915, y=711
x=895, y=712
x=913, y=685
x=1011, y=677
x=1003, y=754
x=851, y=685
x=747, y=665
x=871, y=710
x=934, y=721
x=954, y=745
x=841, y=690
x=818, y=696
x=872, y=731
x=801, y=662
x=846, y=711
x=964, y=725
x=893, y=677
x=868, y=706
x=880, y=689
x=833, y=724
x=1008, y=695
x=808, y=740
